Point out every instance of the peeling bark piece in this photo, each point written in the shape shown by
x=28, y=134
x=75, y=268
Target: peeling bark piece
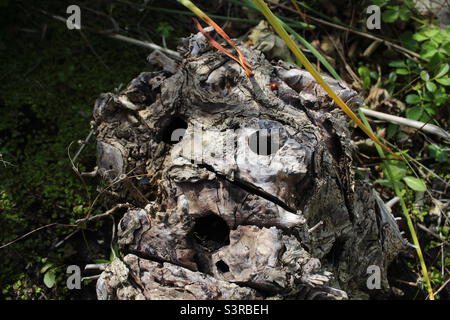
x=158, y=58
x=255, y=258
x=162, y=281
x=161, y=235
x=110, y=161
x=114, y=284
x=312, y=94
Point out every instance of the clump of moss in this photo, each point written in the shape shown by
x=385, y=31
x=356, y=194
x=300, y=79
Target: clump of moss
x=47, y=89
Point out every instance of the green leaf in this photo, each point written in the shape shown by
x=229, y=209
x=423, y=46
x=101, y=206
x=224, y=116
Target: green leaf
x=444, y=81
x=397, y=64
x=50, y=278
x=78, y=209
x=402, y=71
x=404, y=13
x=114, y=253
x=374, y=75
x=397, y=172
x=442, y=71
x=411, y=63
x=415, y=183
x=414, y=113
x=434, y=61
x=364, y=72
x=98, y=261
x=419, y=36
x=391, y=130
x=437, y=153
x=412, y=99
x=430, y=108
x=425, y=76
x=392, y=77
x=446, y=48
x=390, y=15
x=380, y=3
x=428, y=53
x=46, y=267
x=425, y=117
x=432, y=32
x=388, y=183
x=431, y=86
x=164, y=29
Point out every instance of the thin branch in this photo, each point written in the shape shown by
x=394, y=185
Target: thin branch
x=434, y=234
x=426, y=127
x=66, y=238
x=98, y=266
x=33, y=231
x=443, y=286
x=120, y=37
x=4, y=162
x=106, y=214
x=83, y=144
x=93, y=50
x=392, y=202
x=78, y=222
x=90, y=278
x=316, y=226
x=144, y=44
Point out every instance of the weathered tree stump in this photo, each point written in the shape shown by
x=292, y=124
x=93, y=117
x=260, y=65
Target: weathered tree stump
x=239, y=189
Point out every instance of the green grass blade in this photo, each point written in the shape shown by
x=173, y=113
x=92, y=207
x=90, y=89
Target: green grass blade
x=289, y=21
x=274, y=21
x=288, y=27
x=313, y=50
x=405, y=211
x=213, y=16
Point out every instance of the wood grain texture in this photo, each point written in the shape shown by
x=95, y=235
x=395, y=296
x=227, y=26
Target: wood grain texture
x=217, y=216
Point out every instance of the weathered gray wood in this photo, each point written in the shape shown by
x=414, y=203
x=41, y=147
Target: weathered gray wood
x=217, y=217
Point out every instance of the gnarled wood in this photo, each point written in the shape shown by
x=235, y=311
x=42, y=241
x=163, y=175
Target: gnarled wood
x=228, y=177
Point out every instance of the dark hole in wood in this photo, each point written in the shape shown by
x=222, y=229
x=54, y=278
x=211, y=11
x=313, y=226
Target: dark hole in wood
x=333, y=141
x=222, y=266
x=174, y=131
x=336, y=251
x=211, y=232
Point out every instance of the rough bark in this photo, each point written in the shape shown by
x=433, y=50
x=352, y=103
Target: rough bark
x=239, y=190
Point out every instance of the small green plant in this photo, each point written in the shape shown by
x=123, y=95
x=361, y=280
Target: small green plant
x=367, y=76
x=439, y=153
x=277, y=25
x=395, y=10
x=113, y=255
x=37, y=185
x=393, y=172
x=401, y=179
x=429, y=77
x=49, y=272
x=164, y=29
